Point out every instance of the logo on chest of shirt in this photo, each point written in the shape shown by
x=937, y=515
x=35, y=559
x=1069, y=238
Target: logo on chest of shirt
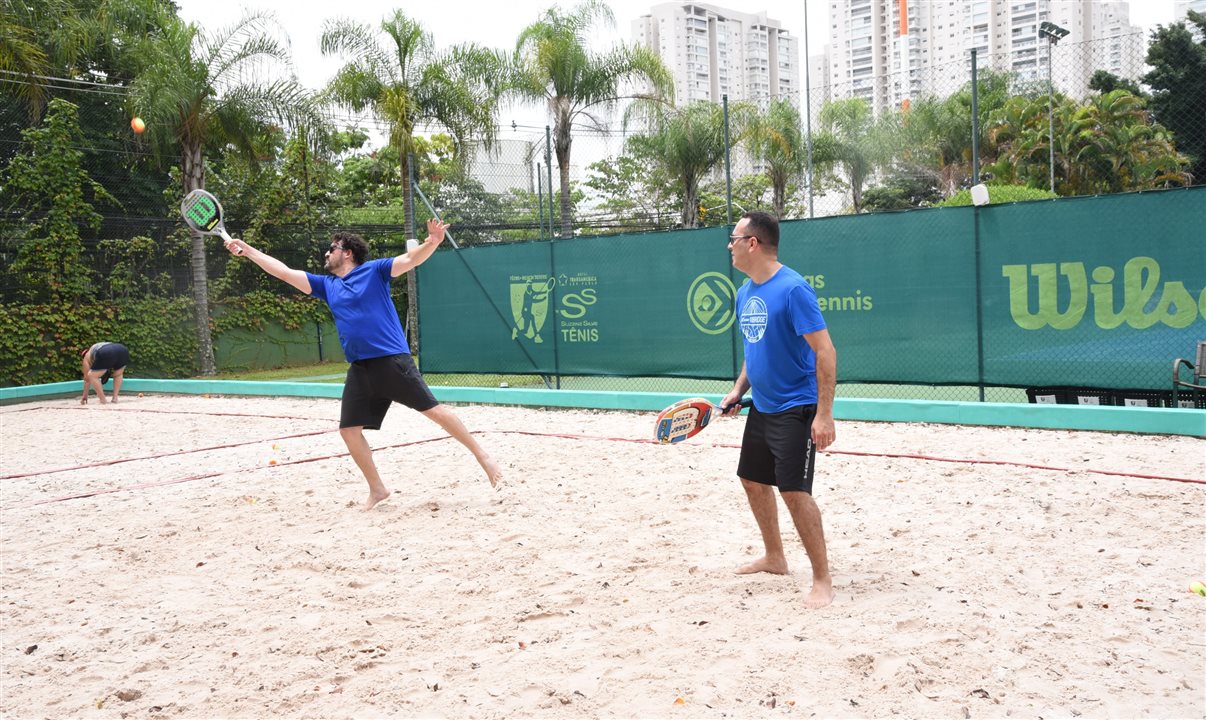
x=753, y=319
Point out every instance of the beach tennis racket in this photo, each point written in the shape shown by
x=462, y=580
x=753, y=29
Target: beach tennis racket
x=687, y=418
x=203, y=213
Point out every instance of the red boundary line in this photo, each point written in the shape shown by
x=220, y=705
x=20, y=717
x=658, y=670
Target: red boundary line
x=571, y=436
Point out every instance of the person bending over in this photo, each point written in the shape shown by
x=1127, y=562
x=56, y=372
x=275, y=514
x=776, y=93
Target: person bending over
x=100, y=362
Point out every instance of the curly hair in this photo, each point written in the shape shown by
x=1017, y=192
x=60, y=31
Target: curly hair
x=354, y=243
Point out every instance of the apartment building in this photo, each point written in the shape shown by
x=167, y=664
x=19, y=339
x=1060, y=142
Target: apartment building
x=891, y=51
x=712, y=52
x=1182, y=7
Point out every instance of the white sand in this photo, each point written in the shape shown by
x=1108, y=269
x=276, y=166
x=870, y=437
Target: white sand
x=597, y=582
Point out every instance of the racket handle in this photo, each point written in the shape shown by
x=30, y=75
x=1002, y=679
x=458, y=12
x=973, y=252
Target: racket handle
x=227, y=240
x=747, y=402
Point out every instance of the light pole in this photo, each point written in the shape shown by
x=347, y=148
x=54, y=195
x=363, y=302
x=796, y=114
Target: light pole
x=1054, y=33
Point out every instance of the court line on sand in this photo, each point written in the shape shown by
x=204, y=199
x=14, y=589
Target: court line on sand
x=571, y=436
x=161, y=455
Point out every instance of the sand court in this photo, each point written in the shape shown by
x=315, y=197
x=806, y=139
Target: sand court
x=204, y=557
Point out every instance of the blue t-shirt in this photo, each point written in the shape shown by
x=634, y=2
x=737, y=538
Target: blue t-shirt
x=364, y=312
x=779, y=363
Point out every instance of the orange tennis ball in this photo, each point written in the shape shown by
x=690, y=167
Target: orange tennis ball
x=137, y=125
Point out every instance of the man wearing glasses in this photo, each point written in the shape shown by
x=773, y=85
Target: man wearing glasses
x=791, y=366
x=381, y=370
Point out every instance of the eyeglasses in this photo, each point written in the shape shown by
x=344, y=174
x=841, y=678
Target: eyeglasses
x=334, y=248
x=736, y=238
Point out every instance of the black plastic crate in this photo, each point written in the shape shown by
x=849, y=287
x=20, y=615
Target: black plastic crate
x=1185, y=399
x=1143, y=398
x=1088, y=396
x=1045, y=395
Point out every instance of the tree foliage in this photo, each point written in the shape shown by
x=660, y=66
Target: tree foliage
x=553, y=65
x=399, y=74
x=776, y=138
x=1107, y=144
x=1178, y=83
x=52, y=196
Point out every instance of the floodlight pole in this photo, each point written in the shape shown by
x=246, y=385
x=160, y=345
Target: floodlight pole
x=1050, y=116
x=1054, y=33
x=808, y=107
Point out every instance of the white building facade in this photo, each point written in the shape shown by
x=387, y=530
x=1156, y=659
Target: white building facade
x=891, y=51
x=712, y=52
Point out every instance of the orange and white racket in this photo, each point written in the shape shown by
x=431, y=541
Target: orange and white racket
x=687, y=418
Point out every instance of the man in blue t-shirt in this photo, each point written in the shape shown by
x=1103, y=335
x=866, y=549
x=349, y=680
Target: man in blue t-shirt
x=381, y=370
x=791, y=365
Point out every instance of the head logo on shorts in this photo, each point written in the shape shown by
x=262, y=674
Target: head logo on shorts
x=753, y=319
x=710, y=303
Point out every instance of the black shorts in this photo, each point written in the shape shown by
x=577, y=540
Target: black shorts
x=777, y=449
x=373, y=384
x=113, y=356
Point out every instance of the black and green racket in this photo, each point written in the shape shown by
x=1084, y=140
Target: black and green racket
x=203, y=213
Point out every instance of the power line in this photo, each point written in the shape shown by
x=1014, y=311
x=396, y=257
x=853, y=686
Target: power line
x=59, y=79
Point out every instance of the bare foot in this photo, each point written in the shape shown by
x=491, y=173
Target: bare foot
x=374, y=498
x=764, y=564
x=493, y=471
x=822, y=594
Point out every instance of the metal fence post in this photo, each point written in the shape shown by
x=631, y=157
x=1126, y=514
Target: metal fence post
x=548, y=166
x=728, y=168
x=1050, y=116
x=410, y=193
x=975, y=118
x=808, y=107
x=540, y=199
x=553, y=312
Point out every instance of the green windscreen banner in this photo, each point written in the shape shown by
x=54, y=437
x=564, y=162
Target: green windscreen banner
x=1102, y=291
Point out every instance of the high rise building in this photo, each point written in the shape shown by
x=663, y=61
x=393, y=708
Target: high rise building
x=712, y=51
x=890, y=51
x=1182, y=7
x=1120, y=47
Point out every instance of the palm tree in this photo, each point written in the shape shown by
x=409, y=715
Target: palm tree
x=689, y=143
x=1118, y=148
x=1107, y=145
x=194, y=90
x=1020, y=131
x=935, y=134
x=23, y=56
x=776, y=140
x=849, y=140
x=82, y=39
x=553, y=65
x=400, y=76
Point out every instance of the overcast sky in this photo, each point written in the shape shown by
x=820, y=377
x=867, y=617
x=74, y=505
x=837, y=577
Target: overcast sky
x=497, y=24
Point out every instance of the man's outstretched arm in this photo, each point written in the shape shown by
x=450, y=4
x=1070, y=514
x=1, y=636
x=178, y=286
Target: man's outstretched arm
x=414, y=258
x=270, y=265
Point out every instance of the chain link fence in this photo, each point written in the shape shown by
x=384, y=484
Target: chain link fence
x=877, y=143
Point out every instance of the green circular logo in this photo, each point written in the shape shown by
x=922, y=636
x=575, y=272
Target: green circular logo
x=710, y=303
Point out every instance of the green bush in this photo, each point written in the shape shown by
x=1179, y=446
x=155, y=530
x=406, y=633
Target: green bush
x=998, y=194
x=43, y=343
